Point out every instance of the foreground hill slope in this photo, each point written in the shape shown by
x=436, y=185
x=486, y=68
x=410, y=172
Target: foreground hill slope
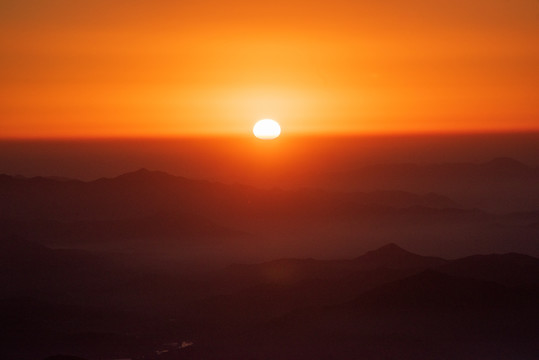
x=386, y=303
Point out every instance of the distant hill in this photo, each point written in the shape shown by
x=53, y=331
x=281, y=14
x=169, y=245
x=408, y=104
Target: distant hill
x=266, y=290
x=392, y=256
x=31, y=270
x=167, y=231
x=285, y=284
x=146, y=207
x=285, y=271
x=501, y=185
x=146, y=193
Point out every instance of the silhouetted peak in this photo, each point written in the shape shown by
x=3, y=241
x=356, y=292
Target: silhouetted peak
x=388, y=249
x=145, y=174
x=506, y=164
x=142, y=172
x=393, y=256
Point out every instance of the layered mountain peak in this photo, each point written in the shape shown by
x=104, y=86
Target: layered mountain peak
x=387, y=251
x=393, y=256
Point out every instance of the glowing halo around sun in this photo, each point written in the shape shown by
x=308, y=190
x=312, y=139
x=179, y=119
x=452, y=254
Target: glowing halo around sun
x=267, y=129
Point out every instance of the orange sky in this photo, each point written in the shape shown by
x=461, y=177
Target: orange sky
x=137, y=68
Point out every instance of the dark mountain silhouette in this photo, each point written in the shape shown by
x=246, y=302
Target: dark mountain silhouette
x=261, y=291
x=500, y=185
x=498, y=167
x=150, y=206
x=427, y=315
x=286, y=271
x=18, y=254
x=264, y=291
x=284, y=285
x=439, y=231
x=508, y=167
x=403, y=199
x=392, y=256
x=169, y=229
x=432, y=289
x=111, y=280
x=506, y=269
x=145, y=193
x=388, y=302
x=30, y=269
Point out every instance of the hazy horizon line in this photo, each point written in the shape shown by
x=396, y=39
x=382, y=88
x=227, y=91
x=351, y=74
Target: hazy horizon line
x=284, y=135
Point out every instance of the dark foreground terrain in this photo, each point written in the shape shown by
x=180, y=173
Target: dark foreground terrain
x=148, y=265
x=386, y=304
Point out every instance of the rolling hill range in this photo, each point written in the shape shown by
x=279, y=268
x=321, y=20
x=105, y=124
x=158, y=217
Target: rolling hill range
x=171, y=212
x=500, y=185
x=407, y=309
x=377, y=305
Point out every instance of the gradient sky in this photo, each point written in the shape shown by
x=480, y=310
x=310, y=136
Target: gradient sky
x=145, y=68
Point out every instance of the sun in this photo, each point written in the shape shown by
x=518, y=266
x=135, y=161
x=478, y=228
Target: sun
x=267, y=129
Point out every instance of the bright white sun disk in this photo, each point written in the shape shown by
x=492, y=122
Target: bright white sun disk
x=267, y=129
